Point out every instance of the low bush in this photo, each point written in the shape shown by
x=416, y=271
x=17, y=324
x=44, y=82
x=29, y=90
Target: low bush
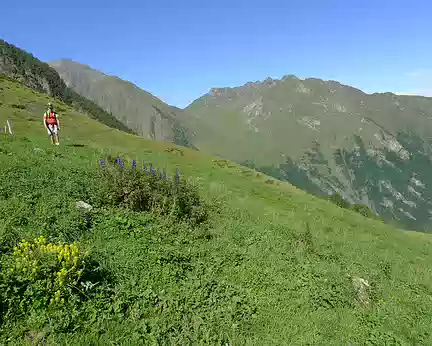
x=18, y=106
x=363, y=209
x=359, y=208
x=339, y=201
x=147, y=190
x=38, y=275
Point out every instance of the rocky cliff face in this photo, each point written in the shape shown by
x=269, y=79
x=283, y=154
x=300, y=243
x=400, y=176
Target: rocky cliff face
x=326, y=137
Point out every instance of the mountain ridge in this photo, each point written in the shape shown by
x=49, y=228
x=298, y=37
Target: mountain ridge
x=309, y=131
x=148, y=115
x=301, y=130
x=269, y=80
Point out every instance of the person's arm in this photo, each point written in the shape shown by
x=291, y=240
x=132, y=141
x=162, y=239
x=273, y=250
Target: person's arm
x=44, y=121
x=58, y=123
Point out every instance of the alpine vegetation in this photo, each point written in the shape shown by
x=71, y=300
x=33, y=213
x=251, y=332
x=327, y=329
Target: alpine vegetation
x=148, y=189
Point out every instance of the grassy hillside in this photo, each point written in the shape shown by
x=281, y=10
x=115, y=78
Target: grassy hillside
x=272, y=265
x=22, y=66
x=137, y=108
x=326, y=138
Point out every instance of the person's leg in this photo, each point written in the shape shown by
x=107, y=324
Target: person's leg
x=50, y=134
x=57, y=135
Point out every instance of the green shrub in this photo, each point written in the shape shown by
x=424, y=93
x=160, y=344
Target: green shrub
x=339, y=201
x=40, y=275
x=363, y=209
x=359, y=208
x=18, y=106
x=61, y=220
x=141, y=190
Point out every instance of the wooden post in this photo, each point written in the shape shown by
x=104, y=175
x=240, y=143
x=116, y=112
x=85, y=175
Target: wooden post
x=10, y=127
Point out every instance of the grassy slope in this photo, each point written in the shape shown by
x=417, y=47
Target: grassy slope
x=298, y=281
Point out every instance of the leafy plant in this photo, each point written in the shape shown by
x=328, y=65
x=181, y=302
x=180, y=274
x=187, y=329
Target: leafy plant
x=148, y=190
x=359, y=208
x=18, y=106
x=40, y=274
x=363, y=209
x=339, y=201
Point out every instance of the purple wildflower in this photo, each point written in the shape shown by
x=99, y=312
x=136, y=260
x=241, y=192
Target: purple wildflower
x=133, y=164
x=102, y=163
x=121, y=163
x=118, y=160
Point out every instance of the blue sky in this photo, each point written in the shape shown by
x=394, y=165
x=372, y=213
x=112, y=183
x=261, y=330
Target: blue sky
x=178, y=50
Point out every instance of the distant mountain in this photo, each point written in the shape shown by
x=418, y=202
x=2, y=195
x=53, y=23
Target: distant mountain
x=137, y=108
x=22, y=66
x=326, y=138
x=322, y=136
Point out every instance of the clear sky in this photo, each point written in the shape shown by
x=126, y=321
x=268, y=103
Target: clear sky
x=178, y=50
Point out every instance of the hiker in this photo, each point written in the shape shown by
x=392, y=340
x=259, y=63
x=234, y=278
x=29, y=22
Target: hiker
x=52, y=124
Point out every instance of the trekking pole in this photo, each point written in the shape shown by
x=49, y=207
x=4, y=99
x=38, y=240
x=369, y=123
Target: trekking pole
x=48, y=128
x=10, y=127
